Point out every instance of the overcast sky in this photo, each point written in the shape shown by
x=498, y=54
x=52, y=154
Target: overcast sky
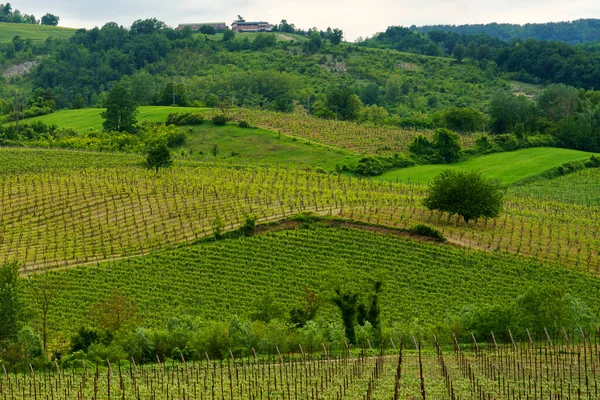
x=355, y=17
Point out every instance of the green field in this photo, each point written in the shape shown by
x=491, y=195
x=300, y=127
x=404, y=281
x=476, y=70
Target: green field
x=259, y=146
x=37, y=33
x=508, y=168
x=89, y=118
x=217, y=280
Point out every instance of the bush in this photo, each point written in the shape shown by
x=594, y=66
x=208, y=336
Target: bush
x=593, y=162
x=244, y=124
x=424, y=230
x=185, y=119
x=219, y=120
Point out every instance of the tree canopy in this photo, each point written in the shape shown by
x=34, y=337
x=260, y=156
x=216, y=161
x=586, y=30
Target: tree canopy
x=468, y=194
x=121, y=110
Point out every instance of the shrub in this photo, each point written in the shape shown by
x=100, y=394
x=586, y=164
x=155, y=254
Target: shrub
x=244, y=124
x=593, y=162
x=185, y=119
x=424, y=230
x=219, y=120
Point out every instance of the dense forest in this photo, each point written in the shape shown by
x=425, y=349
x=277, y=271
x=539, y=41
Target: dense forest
x=572, y=32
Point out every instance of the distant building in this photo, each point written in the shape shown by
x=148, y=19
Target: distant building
x=219, y=26
x=243, y=26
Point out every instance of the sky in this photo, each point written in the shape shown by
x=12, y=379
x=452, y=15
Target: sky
x=357, y=18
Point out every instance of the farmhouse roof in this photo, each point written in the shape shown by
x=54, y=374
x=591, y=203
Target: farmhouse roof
x=204, y=23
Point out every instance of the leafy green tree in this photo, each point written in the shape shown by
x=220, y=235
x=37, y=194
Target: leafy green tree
x=463, y=119
x=10, y=306
x=507, y=111
x=114, y=313
x=228, y=35
x=467, y=194
x=158, y=156
x=50, y=19
x=559, y=101
x=121, y=110
x=460, y=51
x=345, y=103
x=173, y=94
x=446, y=143
x=208, y=30
x=347, y=303
x=336, y=36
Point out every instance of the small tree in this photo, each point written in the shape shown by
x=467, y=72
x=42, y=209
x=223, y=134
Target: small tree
x=468, y=194
x=447, y=145
x=50, y=19
x=158, y=156
x=121, y=110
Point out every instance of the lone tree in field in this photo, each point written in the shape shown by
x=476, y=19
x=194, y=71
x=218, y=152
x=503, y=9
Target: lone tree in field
x=121, y=110
x=158, y=156
x=468, y=194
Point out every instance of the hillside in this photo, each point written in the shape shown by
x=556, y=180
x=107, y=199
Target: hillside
x=37, y=33
x=426, y=281
x=573, y=32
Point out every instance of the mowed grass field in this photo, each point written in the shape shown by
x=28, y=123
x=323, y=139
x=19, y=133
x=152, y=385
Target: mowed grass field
x=37, y=33
x=508, y=168
x=90, y=118
x=259, y=146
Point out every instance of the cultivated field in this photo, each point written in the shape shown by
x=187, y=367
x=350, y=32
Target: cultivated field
x=352, y=136
x=424, y=280
x=66, y=216
x=530, y=370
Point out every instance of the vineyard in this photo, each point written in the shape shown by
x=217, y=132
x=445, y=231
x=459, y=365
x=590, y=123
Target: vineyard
x=65, y=216
x=356, y=137
x=556, y=368
x=424, y=280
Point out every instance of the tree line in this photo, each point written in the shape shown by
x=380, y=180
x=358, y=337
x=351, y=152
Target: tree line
x=7, y=14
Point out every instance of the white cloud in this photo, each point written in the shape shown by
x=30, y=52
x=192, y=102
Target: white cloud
x=355, y=17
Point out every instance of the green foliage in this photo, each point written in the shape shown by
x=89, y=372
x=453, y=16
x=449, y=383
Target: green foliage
x=344, y=103
x=243, y=124
x=185, y=119
x=468, y=194
x=375, y=166
x=50, y=19
x=228, y=35
x=219, y=120
x=347, y=303
x=507, y=111
x=464, y=119
x=116, y=312
x=542, y=306
x=425, y=230
x=158, y=155
x=10, y=304
x=593, y=162
x=121, y=110
x=446, y=143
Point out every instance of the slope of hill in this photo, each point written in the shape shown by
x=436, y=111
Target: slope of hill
x=572, y=32
x=37, y=33
x=508, y=168
x=425, y=281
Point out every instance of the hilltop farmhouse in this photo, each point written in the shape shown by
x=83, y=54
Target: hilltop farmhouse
x=243, y=26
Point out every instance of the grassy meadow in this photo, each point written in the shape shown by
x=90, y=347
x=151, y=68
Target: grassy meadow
x=37, y=33
x=508, y=168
